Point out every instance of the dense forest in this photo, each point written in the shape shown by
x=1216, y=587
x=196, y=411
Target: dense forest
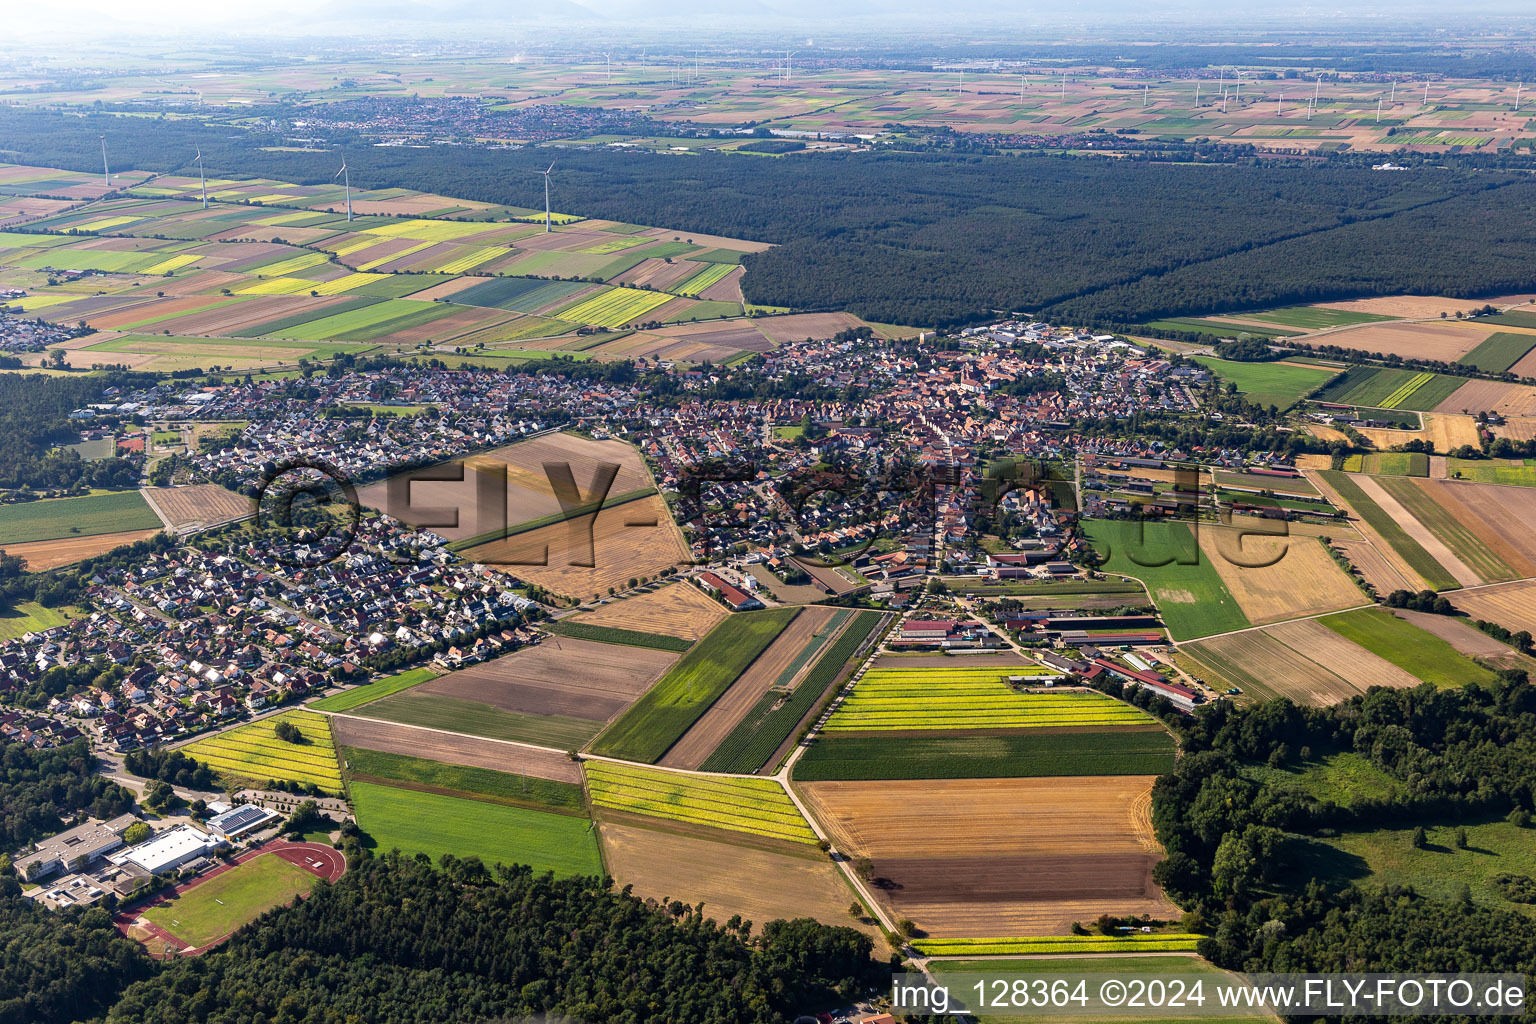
x=938, y=239
x=41, y=788
x=1242, y=847
x=34, y=419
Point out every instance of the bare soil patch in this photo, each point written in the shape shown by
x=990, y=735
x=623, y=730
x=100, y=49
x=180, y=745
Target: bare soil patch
x=1446, y=341
x=1491, y=396
x=371, y=734
x=200, y=504
x=1418, y=531
x=1502, y=517
x=50, y=554
x=678, y=609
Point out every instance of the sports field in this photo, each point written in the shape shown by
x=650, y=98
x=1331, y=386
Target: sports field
x=1266, y=384
x=1417, y=652
x=253, y=753
x=658, y=719
x=88, y=516
x=758, y=807
x=435, y=824
x=223, y=903
x=1190, y=594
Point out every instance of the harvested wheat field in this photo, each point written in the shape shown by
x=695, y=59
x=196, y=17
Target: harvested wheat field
x=199, y=504
x=1264, y=667
x=998, y=857
x=1344, y=658
x=530, y=492
x=726, y=713
x=1446, y=431
x=727, y=878
x=1276, y=578
x=394, y=738
x=799, y=326
x=1444, y=341
x=678, y=609
x=1413, y=306
x=1477, y=396
x=637, y=538
x=1511, y=605
x=1503, y=518
x=1378, y=570
x=50, y=554
x=1517, y=428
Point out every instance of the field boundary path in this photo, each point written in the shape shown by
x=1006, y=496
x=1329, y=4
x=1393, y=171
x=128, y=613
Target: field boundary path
x=150, y=501
x=321, y=861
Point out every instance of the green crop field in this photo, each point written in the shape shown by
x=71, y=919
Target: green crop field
x=1188, y=592
x=1216, y=329
x=1421, y=561
x=612, y=635
x=25, y=617
x=254, y=753
x=657, y=720
x=520, y=294
x=1499, y=351
x=1514, y=318
x=1136, y=942
x=462, y=780
x=758, y=807
x=1047, y=588
x=1396, y=464
x=1380, y=388
x=1313, y=318
x=755, y=739
x=1410, y=648
x=1511, y=472
x=223, y=903
x=89, y=516
x=1465, y=544
x=613, y=307
x=433, y=823
x=1023, y=754
x=365, y=322
x=437, y=711
x=970, y=698
x=1268, y=384
x=360, y=695
x=712, y=274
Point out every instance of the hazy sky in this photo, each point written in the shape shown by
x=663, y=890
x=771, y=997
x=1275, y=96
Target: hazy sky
x=65, y=19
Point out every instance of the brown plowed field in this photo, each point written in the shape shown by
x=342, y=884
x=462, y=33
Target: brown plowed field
x=455, y=325
x=678, y=609
x=1477, y=396
x=1437, y=548
x=1504, y=518
x=709, y=241
x=448, y=288
x=799, y=326
x=370, y=734
x=1512, y=606
x=1467, y=639
x=1000, y=857
x=50, y=554
x=200, y=504
x=619, y=552
x=727, y=289
x=657, y=273
x=1383, y=551
x=1526, y=367
x=1379, y=571
x=728, y=879
x=723, y=715
x=1345, y=658
x=253, y=310
x=1303, y=579
x=561, y=676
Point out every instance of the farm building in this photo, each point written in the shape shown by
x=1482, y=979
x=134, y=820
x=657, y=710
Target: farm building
x=76, y=848
x=170, y=849
x=1181, y=697
x=738, y=599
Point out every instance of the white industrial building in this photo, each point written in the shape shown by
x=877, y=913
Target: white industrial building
x=170, y=849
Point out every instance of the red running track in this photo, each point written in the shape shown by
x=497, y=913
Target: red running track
x=319, y=860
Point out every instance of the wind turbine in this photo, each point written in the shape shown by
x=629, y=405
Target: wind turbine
x=608, y=63
x=962, y=80
x=545, y=172
x=1378, y=110
x=1426, y=94
x=1197, y=94
x=789, y=71
x=1519, y=87
x=1279, y=103
x=202, y=177
x=347, y=181
x=1063, y=86
x=106, y=175
x=1145, y=95
x=1393, y=100
x=1239, y=88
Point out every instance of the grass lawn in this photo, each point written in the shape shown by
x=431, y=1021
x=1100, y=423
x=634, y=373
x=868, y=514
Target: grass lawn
x=1408, y=647
x=89, y=516
x=360, y=695
x=1020, y=755
x=223, y=903
x=1440, y=869
x=668, y=709
x=29, y=617
x=1188, y=592
x=1268, y=383
x=435, y=824
x=1343, y=777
